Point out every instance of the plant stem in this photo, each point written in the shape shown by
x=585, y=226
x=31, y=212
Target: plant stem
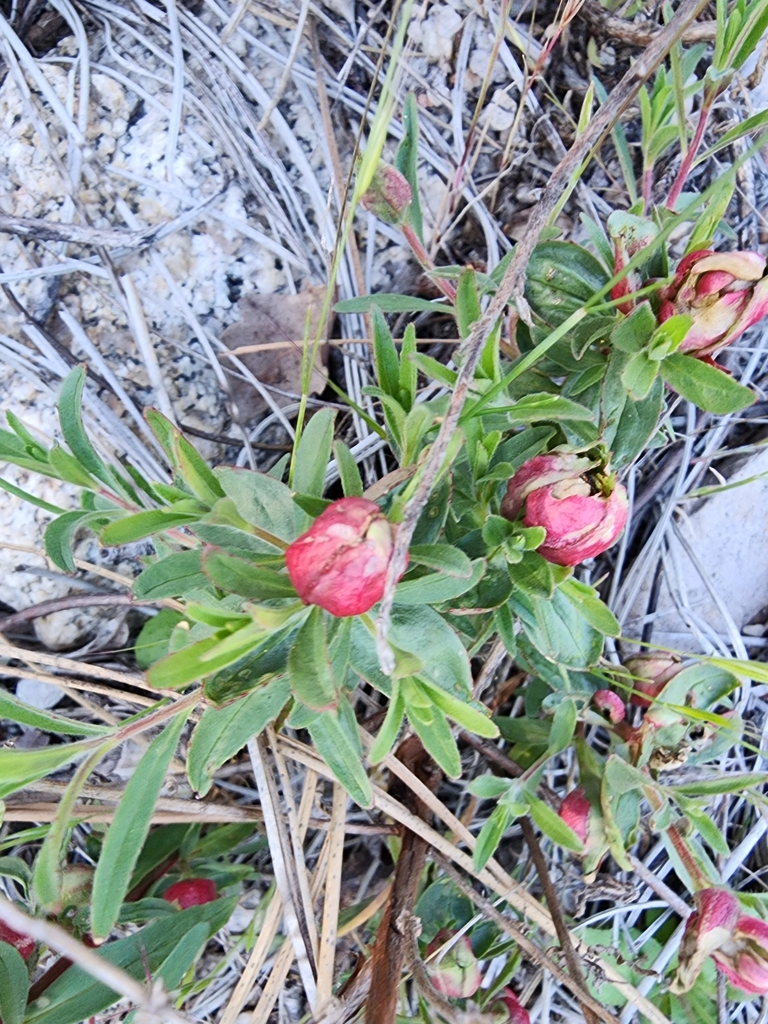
x=422, y=256
x=687, y=161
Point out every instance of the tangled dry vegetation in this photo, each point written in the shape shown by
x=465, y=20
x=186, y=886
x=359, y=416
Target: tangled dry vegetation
x=172, y=180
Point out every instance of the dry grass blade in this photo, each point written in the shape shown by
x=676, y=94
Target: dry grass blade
x=331, y=902
x=283, y=866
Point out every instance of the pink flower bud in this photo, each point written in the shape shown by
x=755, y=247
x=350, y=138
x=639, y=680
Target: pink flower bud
x=191, y=892
x=738, y=943
x=23, y=943
x=724, y=294
x=388, y=196
x=456, y=974
x=507, y=1009
x=575, y=811
x=580, y=520
x=341, y=562
x=650, y=674
x=610, y=705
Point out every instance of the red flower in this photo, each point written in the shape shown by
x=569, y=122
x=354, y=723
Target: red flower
x=23, y=943
x=341, y=562
x=723, y=292
x=610, y=705
x=191, y=892
x=738, y=943
x=575, y=811
x=580, y=520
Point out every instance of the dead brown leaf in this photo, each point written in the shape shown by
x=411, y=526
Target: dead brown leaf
x=265, y=319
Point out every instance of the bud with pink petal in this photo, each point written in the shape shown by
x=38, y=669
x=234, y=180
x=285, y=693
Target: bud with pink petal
x=723, y=292
x=582, y=514
x=191, y=892
x=575, y=811
x=738, y=943
x=507, y=1009
x=650, y=674
x=341, y=562
x=456, y=974
x=610, y=705
x=388, y=196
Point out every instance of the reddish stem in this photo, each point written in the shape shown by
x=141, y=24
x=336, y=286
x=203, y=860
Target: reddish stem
x=685, y=166
x=422, y=256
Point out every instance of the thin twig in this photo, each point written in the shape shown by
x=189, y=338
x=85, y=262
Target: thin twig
x=555, y=909
x=60, y=604
x=327, y=953
x=511, y=287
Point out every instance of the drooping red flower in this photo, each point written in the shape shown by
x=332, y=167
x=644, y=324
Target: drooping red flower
x=191, y=892
x=341, y=562
x=610, y=705
x=738, y=943
x=580, y=520
x=723, y=292
x=650, y=674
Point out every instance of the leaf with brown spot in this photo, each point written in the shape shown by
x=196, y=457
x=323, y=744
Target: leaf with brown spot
x=274, y=325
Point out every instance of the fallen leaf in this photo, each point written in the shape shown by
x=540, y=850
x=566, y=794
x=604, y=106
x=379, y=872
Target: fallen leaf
x=275, y=325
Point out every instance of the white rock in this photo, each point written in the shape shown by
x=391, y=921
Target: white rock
x=38, y=694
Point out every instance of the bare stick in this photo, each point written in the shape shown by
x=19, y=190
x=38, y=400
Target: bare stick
x=327, y=955
x=511, y=287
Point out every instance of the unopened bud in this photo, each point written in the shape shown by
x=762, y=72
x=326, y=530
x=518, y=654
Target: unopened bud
x=388, y=196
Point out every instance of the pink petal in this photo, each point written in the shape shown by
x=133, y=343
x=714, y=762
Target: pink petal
x=745, y=266
x=712, y=323
x=755, y=309
x=540, y=471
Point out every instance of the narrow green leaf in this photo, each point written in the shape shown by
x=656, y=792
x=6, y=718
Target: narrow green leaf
x=351, y=481
x=438, y=587
x=309, y=664
x=406, y=160
x=491, y=834
x=70, y=418
x=129, y=828
x=393, y=303
x=717, y=784
x=385, y=356
x=19, y=492
x=47, y=721
x=240, y=576
x=467, y=303
x=196, y=473
x=313, y=454
x=145, y=524
x=443, y=557
x=552, y=825
x=587, y=600
x=335, y=735
x=408, y=372
x=390, y=728
x=172, y=970
x=14, y=984
x=171, y=576
x=639, y=375
x=59, y=534
x=468, y=716
x=221, y=732
x=707, y=387
x=19, y=768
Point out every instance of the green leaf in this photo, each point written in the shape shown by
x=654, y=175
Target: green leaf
x=561, y=277
x=438, y=587
x=587, y=600
x=239, y=576
x=262, y=501
x=336, y=737
x=153, y=639
x=491, y=834
x=309, y=664
x=467, y=303
x=432, y=368
x=637, y=423
x=351, y=481
x=553, y=826
x=431, y=726
x=14, y=984
x=385, y=356
x=145, y=524
x=443, y=557
x=47, y=721
x=535, y=408
x=639, y=375
x=703, y=823
x=468, y=716
x=225, y=528
x=563, y=727
x=130, y=827
x=70, y=418
x=406, y=159
x=558, y=630
x=75, y=995
x=19, y=768
x=196, y=473
x=718, y=784
x=221, y=732
x=490, y=787
x=172, y=970
x=408, y=372
x=314, y=453
x=707, y=387
x=387, y=303
x=387, y=735
x=171, y=576
x=59, y=534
